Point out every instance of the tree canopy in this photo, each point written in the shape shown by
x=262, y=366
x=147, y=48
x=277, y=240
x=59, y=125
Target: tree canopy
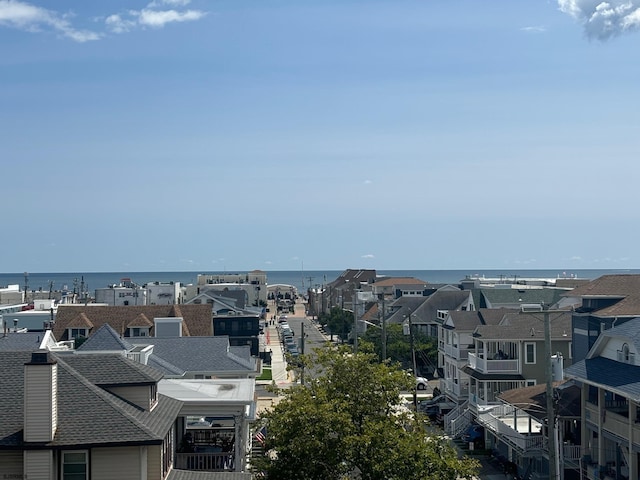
x=349, y=421
x=338, y=321
x=399, y=348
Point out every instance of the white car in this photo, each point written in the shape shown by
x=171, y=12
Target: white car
x=422, y=383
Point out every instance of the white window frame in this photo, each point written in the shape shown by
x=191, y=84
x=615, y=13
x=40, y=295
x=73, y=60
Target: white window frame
x=143, y=331
x=526, y=353
x=74, y=476
x=71, y=329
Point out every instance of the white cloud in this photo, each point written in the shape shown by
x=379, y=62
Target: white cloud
x=603, y=20
x=534, y=29
x=117, y=24
x=24, y=16
x=28, y=17
x=170, y=3
x=153, y=15
x=368, y=182
x=159, y=18
x=369, y=255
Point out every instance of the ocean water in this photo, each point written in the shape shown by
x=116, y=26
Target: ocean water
x=300, y=279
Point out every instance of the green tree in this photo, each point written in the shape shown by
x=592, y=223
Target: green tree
x=338, y=321
x=349, y=419
x=399, y=347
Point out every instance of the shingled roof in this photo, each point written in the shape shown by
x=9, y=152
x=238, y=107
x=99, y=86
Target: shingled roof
x=177, y=355
x=197, y=318
x=524, y=327
x=626, y=288
x=88, y=415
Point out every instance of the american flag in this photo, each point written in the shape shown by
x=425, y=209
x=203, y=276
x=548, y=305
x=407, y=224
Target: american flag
x=261, y=435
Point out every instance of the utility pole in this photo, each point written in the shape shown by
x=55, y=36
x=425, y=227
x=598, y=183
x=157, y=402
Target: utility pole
x=415, y=368
x=554, y=464
x=26, y=287
x=355, y=321
x=407, y=329
x=302, y=351
x=555, y=468
x=383, y=322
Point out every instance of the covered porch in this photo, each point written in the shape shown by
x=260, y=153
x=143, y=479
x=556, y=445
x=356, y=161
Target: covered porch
x=212, y=431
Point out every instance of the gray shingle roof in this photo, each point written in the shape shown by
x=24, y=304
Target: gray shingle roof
x=629, y=329
x=493, y=316
x=511, y=296
x=618, y=377
x=516, y=326
x=465, y=321
x=177, y=355
x=12, y=342
x=112, y=369
x=87, y=414
x=199, y=354
x=105, y=339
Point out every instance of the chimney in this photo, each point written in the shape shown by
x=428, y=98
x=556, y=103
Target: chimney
x=40, y=397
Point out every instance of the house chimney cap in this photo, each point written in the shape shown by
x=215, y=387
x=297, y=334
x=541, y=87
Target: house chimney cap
x=41, y=357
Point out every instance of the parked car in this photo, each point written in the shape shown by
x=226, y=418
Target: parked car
x=474, y=433
x=422, y=383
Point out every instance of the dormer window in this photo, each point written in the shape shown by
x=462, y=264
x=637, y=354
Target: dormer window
x=138, y=332
x=624, y=355
x=77, y=333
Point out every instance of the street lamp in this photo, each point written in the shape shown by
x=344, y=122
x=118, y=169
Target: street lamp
x=407, y=329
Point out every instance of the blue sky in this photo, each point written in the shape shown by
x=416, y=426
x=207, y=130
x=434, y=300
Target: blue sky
x=329, y=134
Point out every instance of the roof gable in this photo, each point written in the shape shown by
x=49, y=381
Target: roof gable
x=105, y=339
x=87, y=414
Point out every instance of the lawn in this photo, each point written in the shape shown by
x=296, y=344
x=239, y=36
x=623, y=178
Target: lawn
x=266, y=374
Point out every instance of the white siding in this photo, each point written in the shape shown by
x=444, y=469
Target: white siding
x=40, y=402
x=154, y=462
x=11, y=464
x=38, y=465
x=122, y=463
x=140, y=396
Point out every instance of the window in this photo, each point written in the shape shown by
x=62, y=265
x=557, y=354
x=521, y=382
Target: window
x=75, y=465
x=138, y=331
x=77, y=332
x=529, y=352
x=624, y=355
x=153, y=395
x=531, y=383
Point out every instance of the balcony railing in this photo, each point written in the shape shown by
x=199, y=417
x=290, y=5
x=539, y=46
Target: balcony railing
x=455, y=388
x=493, y=366
x=496, y=420
x=456, y=352
x=205, y=462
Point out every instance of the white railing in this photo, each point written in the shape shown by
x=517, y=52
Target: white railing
x=571, y=452
x=455, y=352
x=493, y=366
x=457, y=420
x=135, y=356
x=494, y=421
x=205, y=462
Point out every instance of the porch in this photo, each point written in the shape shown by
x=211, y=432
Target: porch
x=212, y=431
